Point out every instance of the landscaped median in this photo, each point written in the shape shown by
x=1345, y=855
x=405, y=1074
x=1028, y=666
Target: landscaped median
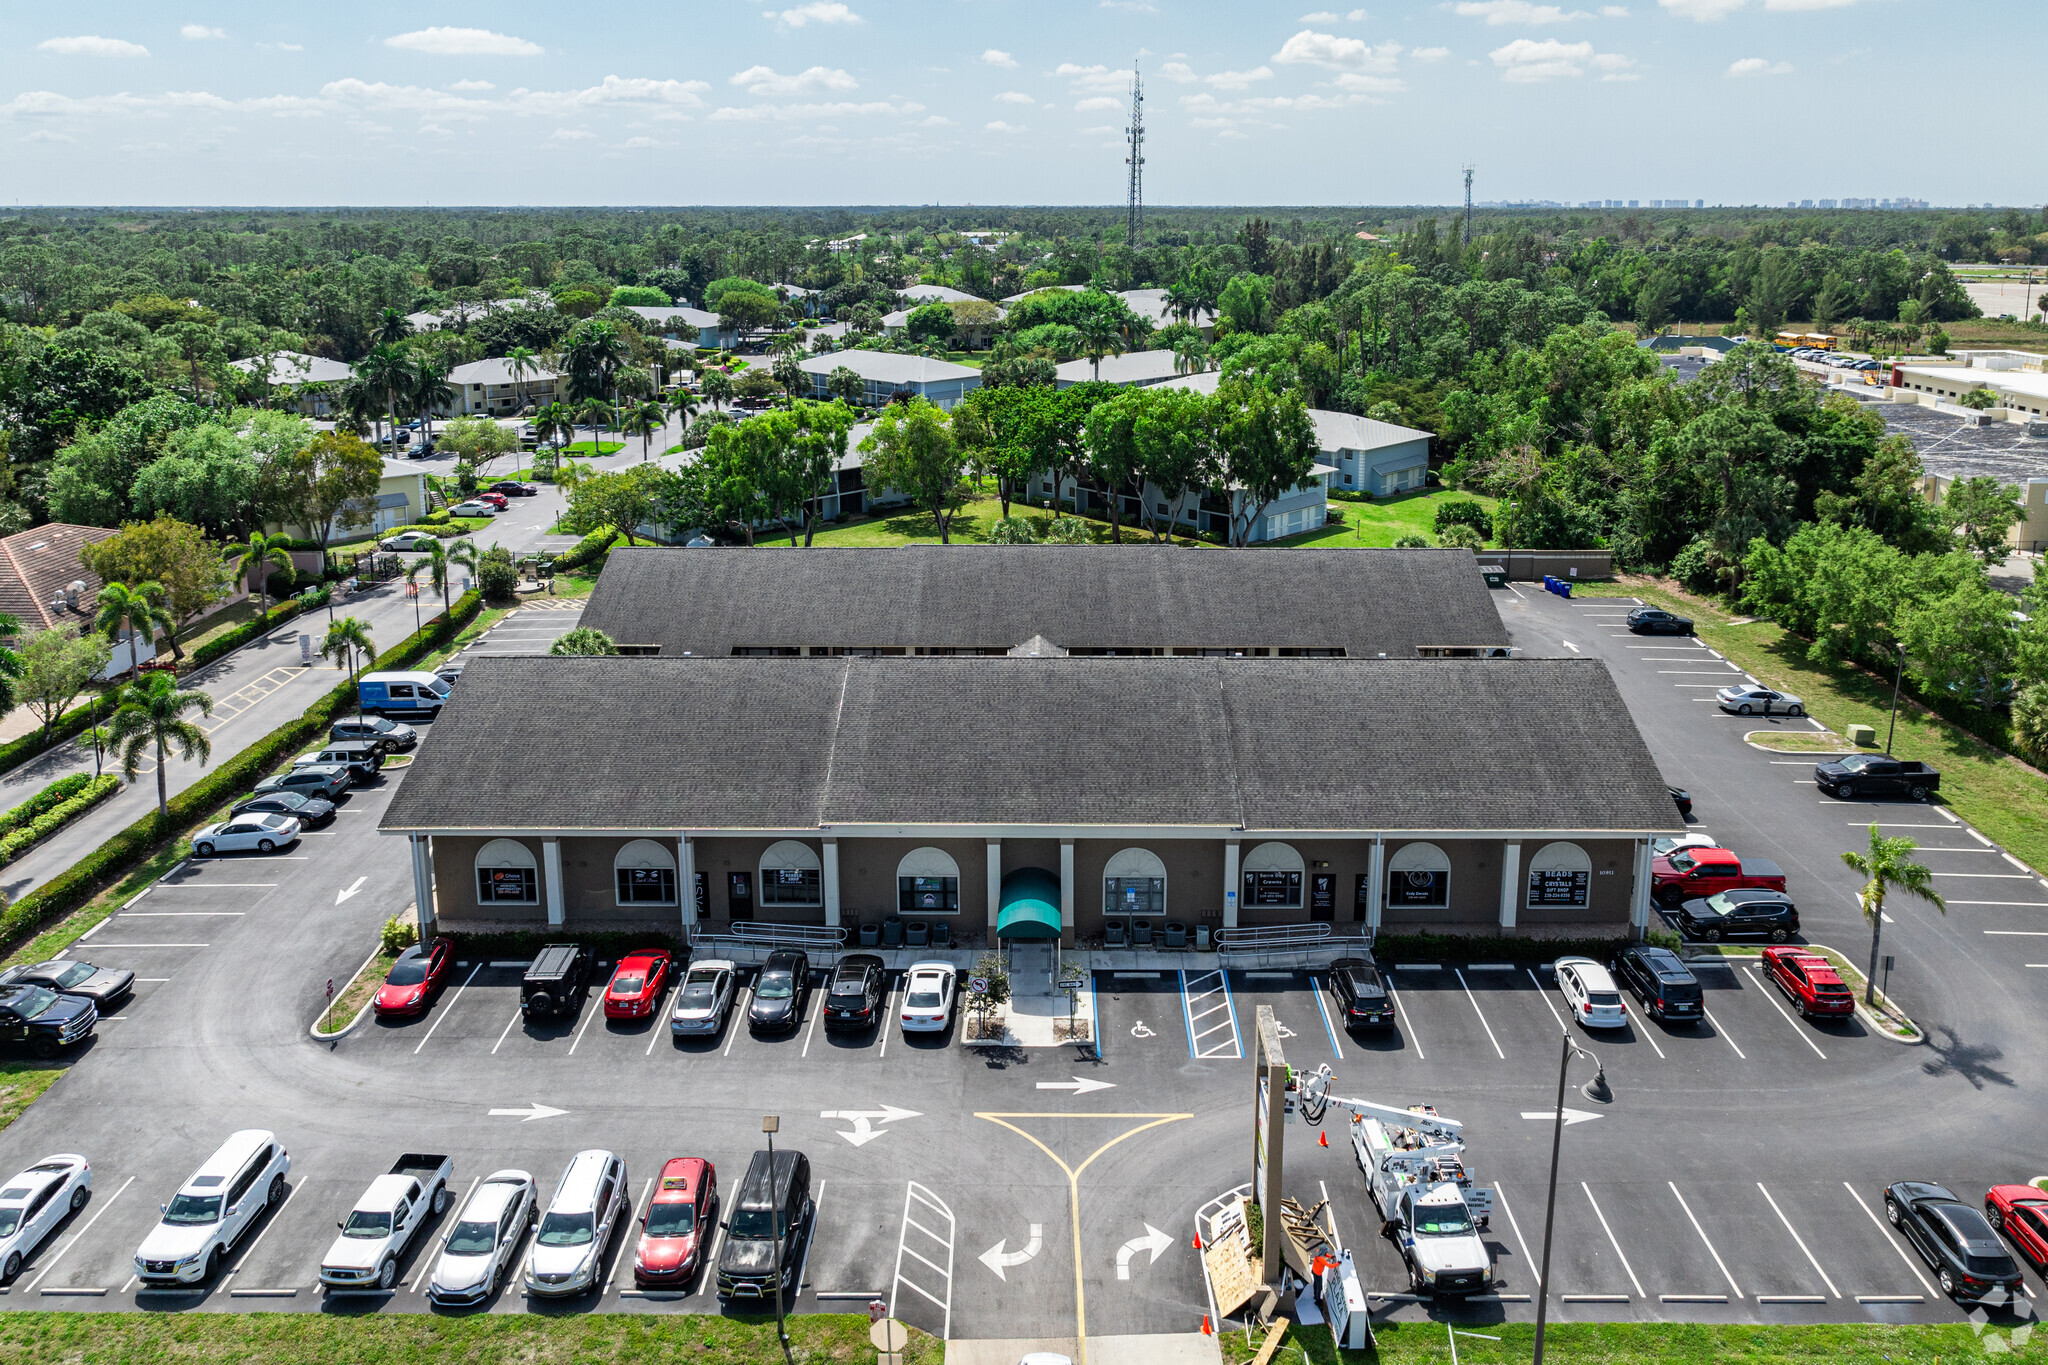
x=50, y=809
x=1885, y=1017
x=1656, y=1343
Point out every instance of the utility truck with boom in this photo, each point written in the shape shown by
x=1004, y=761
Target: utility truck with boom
x=1428, y=1206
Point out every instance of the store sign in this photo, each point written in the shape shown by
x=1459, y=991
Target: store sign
x=516, y=885
x=1361, y=908
x=1322, y=896
x=1418, y=888
x=1272, y=888
x=740, y=887
x=1558, y=887
x=703, y=894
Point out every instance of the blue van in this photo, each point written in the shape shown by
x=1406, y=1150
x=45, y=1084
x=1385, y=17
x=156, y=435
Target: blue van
x=402, y=694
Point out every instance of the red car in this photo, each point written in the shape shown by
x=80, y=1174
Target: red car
x=637, y=985
x=678, y=1222
x=416, y=978
x=2021, y=1213
x=496, y=500
x=1811, y=982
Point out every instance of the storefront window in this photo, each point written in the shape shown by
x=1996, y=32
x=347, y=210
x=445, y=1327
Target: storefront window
x=1560, y=876
x=1134, y=895
x=928, y=895
x=1272, y=878
x=791, y=875
x=506, y=875
x=645, y=874
x=1418, y=878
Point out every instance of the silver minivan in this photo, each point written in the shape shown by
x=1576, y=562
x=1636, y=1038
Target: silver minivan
x=589, y=1206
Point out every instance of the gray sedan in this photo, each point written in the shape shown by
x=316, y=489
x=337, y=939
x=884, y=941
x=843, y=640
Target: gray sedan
x=1748, y=699
x=324, y=780
x=704, y=999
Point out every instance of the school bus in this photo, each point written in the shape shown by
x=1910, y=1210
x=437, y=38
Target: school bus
x=1819, y=341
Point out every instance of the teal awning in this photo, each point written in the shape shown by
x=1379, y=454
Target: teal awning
x=1030, y=905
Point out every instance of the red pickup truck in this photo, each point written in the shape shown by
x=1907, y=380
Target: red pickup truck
x=1692, y=873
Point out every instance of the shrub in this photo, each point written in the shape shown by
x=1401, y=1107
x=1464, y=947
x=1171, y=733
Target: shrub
x=1693, y=567
x=1068, y=531
x=90, y=793
x=496, y=576
x=1462, y=513
x=639, y=295
x=1012, y=531
x=229, y=640
x=1457, y=536
x=56, y=794
x=2030, y=721
x=591, y=547
x=398, y=935
x=1411, y=542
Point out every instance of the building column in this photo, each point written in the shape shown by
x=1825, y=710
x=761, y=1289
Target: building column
x=995, y=884
x=1510, y=883
x=423, y=883
x=1230, y=883
x=830, y=878
x=1639, y=895
x=686, y=882
x=1066, y=886
x=1376, y=885
x=551, y=880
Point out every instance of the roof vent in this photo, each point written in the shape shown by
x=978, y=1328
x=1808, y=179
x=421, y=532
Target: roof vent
x=1038, y=647
x=40, y=545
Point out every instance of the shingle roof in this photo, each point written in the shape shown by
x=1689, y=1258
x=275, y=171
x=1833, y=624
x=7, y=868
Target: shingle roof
x=708, y=601
x=39, y=563
x=887, y=367
x=1479, y=745
x=495, y=371
x=296, y=367
x=1132, y=367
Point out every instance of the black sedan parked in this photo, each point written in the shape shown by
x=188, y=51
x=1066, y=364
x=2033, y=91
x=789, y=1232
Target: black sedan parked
x=1665, y=985
x=1362, y=992
x=860, y=983
x=309, y=810
x=1681, y=798
x=1744, y=911
x=1968, y=1260
x=781, y=992
x=1657, y=621
x=101, y=985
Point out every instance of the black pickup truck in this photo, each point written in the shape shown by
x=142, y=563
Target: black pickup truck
x=1876, y=775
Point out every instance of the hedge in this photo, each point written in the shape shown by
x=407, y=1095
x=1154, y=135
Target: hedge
x=1392, y=948
x=56, y=794
x=230, y=640
x=76, y=721
x=591, y=547
x=89, y=793
x=129, y=849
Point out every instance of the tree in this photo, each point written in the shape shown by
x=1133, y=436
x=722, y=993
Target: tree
x=683, y=404
x=591, y=355
x=1979, y=399
x=584, y=640
x=1980, y=511
x=334, y=477
x=521, y=362
x=169, y=552
x=1099, y=337
x=138, y=611
x=478, y=441
x=643, y=419
x=496, y=577
x=345, y=639
x=388, y=371
x=811, y=464
x=1656, y=300
x=428, y=389
x=1176, y=451
x=718, y=388
x=621, y=499
x=149, y=715
x=1885, y=868
x=1772, y=292
x=434, y=564
x=1267, y=446
x=206, y=475
x=790, y=375
x=258, y=557
x=1113, y=453
x=844, y=384
x=912, y=449
x=1458, y=536
x=930, y=322
x=462, y=554
x=974, y=320
x=596, y=413
x=56, y=665
x=741, y=313
x=555, y=423
x=1246, y=303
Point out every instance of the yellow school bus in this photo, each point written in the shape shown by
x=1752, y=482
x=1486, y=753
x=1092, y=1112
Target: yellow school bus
x=1819, y=341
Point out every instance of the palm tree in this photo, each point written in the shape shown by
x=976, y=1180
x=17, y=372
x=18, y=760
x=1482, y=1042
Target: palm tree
x=1099, y=337
x=258, y=556
x=1885, y=867
x=465, y=554
x=1190, y=353
x=150, y=715
x=718, y=388
x=682, y=403
x=592, y=354
x=429, y=389
x=138, y=610
x=1183, y=300
x=595, y=413
x=388, y=369
x=390, y=327
x=355, y=401
x=555, y=423
x=787, y=343
x=435, y=563
x=520, y=362
x=643, y=419
x=345, y=638
x=572, y=472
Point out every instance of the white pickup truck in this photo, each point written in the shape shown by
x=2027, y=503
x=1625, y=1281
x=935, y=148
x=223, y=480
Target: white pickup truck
x=384, y=1222
x=1429, y=1206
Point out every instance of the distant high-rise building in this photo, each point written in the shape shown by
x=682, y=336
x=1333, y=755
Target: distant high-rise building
x=1827, y=203
x=1806, y=203
x=1699, y=203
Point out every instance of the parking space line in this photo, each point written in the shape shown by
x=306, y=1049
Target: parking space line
x=913, y=1190
x=508, y=1029
x=1611, y=1238
x=1196, y=1047
x=270, y=1221
x=1644, y=1026
x=445, y=1009
x=423, y=1271
x=707, y=1273
x=1726, y=1036
x=732, y=1027
x=1733, y=1287
x=152, y=945
x=1543, y=994
x=888, y=1018
x=51, y=1264
x=1889, y=1238
x=1481, y=1013
x=1502, y=1200
x=2032, y=905
x=592, y=1011
x=816, y=1007
x=1800, y=1240
x=1766, y=992
x=646, y=1198
x=1990, y=876
x=1407, y=1029
x=1324, y=1010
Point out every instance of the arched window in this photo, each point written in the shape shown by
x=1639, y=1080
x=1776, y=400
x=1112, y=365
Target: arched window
x=1560, y=875
x=1419, y=878
x=506, y=875
x=1134, y=883
x=791, y=875
x=645, y=874
x=928, y=883
x=1272, y=878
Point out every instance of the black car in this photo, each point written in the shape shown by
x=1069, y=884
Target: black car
x=101, y=985
x=555, y=983
x=1968, y=1260
x=388, y=735
x=860, y=983
x=768, y=1221
x=1657, y=621
x=1682, y=799
x=46, y=1021
x=1665, y=985
x=782, y=991
x=1746, y=910
x=309, y=811
x=512, y=488
x=1362, y=992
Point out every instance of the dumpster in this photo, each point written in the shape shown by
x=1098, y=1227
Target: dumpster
x=1496, y=575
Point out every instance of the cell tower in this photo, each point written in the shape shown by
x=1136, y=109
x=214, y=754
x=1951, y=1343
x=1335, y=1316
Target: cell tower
x=1469, y=168
x=1135, y=224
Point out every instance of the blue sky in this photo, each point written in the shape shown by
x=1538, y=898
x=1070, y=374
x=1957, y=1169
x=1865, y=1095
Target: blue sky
x=1014, y=101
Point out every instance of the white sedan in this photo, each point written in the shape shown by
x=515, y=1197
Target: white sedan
x=472, y=509
x=1746, y=699
x=1671, y=843
x=928, y=997
x=34, y=1202
x=1594, y=998
x=246, y=833
x=409, y=540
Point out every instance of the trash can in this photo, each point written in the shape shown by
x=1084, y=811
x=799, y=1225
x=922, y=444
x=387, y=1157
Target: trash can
x=1495, y=575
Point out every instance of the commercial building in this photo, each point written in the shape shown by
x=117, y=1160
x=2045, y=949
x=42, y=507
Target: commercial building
x=297, y=370
x=2030, y=533
x=2015, y=377
x=490, y=388
x=885, y=374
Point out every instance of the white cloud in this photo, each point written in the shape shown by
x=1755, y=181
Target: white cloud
x=1341, y=54
x=1527, y=60
x=92, y=45
x=1014, y=97
x=463, y=42
x=999, y=126
x=197, y=32
x=44, y=135
x=1134, y=6
x=1098, y=104
x=1612, y=66
x=758, y=113
x=1614, y=11
x=1321, y=16
x=1356, y=16
x=634, y=144
x=1498, y=12
x=283, y=47
x=570, y=135
x=1705, y=11
x=935, y=121
x=817, y=12
x=1353, y=83
x=816, y=80
x=1758, y=66
x=1430, y=54
x=1093, y=77
x=995, y=56
x=1796, y=5
x=472, y=87
x=37, y=104
x=1239, y=80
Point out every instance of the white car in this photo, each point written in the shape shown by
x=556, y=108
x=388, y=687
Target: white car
x=1745, y=699
x=568, y=1250
x=34, y=1202
x=409, y=540
x=1671, y=843
x=1594, y=998
x=246, y=833
x=928, y=997
x=472, y=509
x=704, y=999
x=486, y=1236
x=213, y=1210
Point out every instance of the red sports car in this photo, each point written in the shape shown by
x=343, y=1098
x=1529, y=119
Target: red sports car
x=678, y=1222
x=637, y=985
x=1810, y=981
x=416, y=978
x=2021, y=1213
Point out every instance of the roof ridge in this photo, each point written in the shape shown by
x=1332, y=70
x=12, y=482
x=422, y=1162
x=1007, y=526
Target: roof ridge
x=14, y=567
x=832, y=744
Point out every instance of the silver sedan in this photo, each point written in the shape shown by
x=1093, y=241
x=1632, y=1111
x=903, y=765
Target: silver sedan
x=246, y=833
x=704, y=999
x=1748, y=699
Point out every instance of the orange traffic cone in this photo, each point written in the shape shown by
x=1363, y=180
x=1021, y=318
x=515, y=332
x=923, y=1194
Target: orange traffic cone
x=1207, y=1330
x=1322, y=1139
x=1198, y=1241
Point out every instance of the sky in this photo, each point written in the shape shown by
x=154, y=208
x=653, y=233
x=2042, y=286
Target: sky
x=201, y=102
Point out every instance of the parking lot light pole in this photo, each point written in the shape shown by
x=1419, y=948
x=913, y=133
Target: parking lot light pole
x=770, y=1123
x=1595, y=1089
x=1898, y=676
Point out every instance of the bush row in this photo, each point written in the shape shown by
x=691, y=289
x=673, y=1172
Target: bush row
x=592, y=547
x=230, y=640
x=56, y=794
x=1392, y=948
x=73, y=722
x=89, y=793
x=130, y=848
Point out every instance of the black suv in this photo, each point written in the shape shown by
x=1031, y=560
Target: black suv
x=1362, y=991
x=555, y=982
x=764, y=1215
x=1745, y=910
x=1657, y=621
x=781, y=991
x=1968, y=1260
x=388, y=735
x=46, y=1021
x=1665, y=985
x=859, y=984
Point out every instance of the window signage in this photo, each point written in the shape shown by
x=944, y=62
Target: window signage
x=647, y=886
x=740, y=887
x=1424, y=889
x=1272, y=888
x=1361, y=909
x=703, y=894
x=1322, y=896
x=1558, y=887
x=503, y=885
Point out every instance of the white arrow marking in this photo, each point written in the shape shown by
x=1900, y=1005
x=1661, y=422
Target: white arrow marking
x=863, y=1119
x=997, y=1259
x=529, y=1113
x=1569, y=645
x=1571, y=1116
x=1154, y=1241
x=343, y=895
x=1077, y=1085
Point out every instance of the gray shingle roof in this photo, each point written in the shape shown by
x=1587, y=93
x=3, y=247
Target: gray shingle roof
x=1132, y=367
x=708, y=601
x=1515, y=744
x=887, y=367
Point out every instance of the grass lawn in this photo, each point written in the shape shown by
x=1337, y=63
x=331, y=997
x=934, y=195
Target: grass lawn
x=356, y=993
x=1647, y=1343
x=67, y=930
x=1997, y=793
x=969, y=527
x=222, y=621
x=22, y=1084
x=1383, y=521
x=585, y=448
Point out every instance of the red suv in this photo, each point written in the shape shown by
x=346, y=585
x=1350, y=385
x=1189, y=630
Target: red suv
x=497, y=500
x=1811, y=982
x=637, y=984
x=678, y=1223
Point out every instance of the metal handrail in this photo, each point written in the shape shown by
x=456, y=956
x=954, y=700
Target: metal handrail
x=1273, y=935
x=775, y=935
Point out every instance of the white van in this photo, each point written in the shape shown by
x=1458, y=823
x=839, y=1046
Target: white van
x=402, y=694
x=213, y=1210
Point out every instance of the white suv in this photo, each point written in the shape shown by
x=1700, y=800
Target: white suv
x=212, y=1211
x=568, y=1250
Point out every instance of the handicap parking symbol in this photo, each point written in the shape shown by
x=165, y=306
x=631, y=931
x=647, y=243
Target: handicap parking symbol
x=1139, y=1030
x=1285, y=1032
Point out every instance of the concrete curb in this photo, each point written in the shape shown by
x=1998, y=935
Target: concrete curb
x=1875, y=1023
x=361, y=1014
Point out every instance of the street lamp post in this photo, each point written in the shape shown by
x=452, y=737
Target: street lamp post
x=1595, y=1089
x=1898, y=676
x=770, y=1124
